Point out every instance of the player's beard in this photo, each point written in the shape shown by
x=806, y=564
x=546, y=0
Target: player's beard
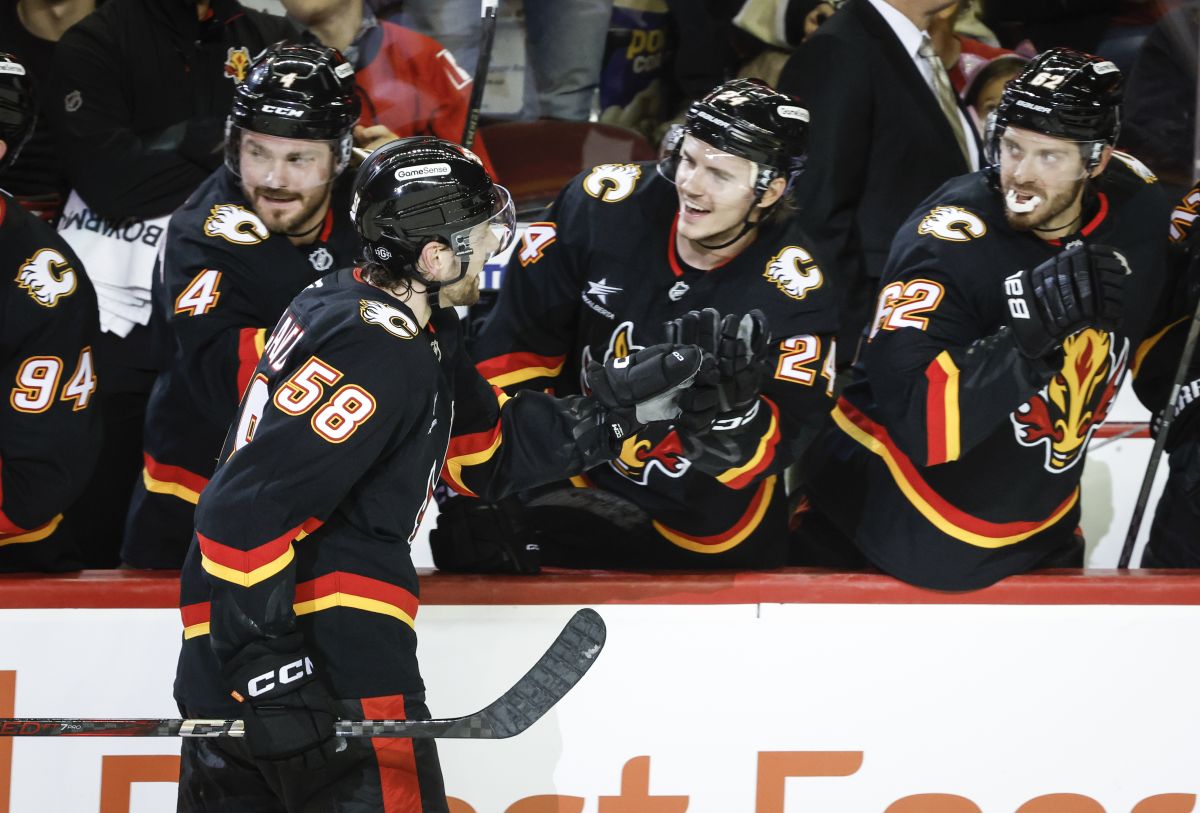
x=300, y=224
x=1048, y=214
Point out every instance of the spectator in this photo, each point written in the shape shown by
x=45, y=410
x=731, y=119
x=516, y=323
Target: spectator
x=381, y=347
x=1011, y=307
x=409, y=83
x=49, y=433
x=888, y=130
x=141, y=89
x=959, y=54
x=709, y=246
x=985, y=83
x=29, y=30
x=268, y=223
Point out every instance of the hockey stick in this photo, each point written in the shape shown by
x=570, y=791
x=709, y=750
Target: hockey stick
x=555, y=673
x=1160, y=441
x=487, y=14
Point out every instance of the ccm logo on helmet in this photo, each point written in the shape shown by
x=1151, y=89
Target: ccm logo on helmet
x=788, y=111
x=282, y=111
x=423, y=171
x=288, y=673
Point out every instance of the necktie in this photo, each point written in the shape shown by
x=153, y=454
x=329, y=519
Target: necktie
x=944, y=93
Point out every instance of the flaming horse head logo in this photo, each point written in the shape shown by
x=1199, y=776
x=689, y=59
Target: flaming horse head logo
x=1066, y=412
x=237, y=64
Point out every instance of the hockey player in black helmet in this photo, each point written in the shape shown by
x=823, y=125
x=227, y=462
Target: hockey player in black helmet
x=1013, y=303
x=49, y=430
x=269, y=222
x=700, y=250
x=18, y=109
x=301, y=549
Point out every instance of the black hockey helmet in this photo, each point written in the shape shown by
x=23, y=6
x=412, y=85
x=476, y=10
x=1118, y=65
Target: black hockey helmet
x=18, y=110
x=296, y=91
x=1065, y=94
x=421, y=189
x=747, y=118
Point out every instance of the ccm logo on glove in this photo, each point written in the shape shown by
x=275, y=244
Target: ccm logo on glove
x=288, y=673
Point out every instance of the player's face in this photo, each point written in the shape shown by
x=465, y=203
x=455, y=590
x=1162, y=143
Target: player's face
x=715, y=190
x=286, y=180
x=1041, y=178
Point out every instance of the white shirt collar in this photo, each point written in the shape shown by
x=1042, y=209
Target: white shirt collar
x=909, y=35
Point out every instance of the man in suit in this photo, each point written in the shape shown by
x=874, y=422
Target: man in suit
x=883, y=138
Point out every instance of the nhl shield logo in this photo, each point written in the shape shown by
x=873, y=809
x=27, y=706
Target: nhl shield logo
x=321, y=259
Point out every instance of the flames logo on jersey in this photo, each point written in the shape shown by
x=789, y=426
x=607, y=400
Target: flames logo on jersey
x=1184, y=215
x=641, y=457
x=1067, y=411
x=794, y=272
x=953, y=224
x=237, y=64
x=47, y=276
x=612, y=182
x=394, y=321
x=235, y=224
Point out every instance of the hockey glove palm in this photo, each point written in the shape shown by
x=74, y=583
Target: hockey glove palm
x=1077, y=288
x=288, y=713
x=738, y=343
x=642, y=388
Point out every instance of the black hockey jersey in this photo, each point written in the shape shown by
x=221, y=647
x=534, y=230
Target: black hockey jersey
x=962, y=459
x=325, y=475
x=599, y=279
x=222, y=283
x=49, y=430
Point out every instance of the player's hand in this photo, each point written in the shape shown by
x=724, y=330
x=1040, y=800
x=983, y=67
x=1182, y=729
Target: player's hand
x=373, y=137
x=287, y=711
x=1081, y=287
x=644, y=387
x=738, y=343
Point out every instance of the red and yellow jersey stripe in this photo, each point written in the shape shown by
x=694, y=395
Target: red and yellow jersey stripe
x=161, y=478
x=514, y=368
x=941, y=410
x=741, y=476
x=249, y=567
x=948, y=518
x=250, y=349
x=731, y=537
x=472, y=449
x=327, y=592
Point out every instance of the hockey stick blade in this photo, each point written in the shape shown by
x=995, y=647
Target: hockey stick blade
x=562, y=666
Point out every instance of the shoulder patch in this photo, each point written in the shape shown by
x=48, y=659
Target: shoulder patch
x=612, y=183
x=1184, y=215
x=794, y=272
x=235, y=224
x=1135, y=166
x=952, y=224
x=393, y=320
x=47, y=277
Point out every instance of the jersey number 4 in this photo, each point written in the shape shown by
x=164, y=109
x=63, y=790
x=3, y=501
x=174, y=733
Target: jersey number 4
x=335, y=421
x=37, y=381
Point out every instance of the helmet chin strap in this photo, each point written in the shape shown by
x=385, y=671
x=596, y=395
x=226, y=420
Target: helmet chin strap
x=747, y=225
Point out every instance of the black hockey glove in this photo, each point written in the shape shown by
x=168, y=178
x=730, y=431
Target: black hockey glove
x=642, y=388
x=473, y=536
x=1077, y=288
x=287, y=711
x=739, y=344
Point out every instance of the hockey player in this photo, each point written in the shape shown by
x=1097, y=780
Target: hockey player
x=300, y=560
x=266, y=224
x=706, y=244
x=49, y=433
x=1011, y=307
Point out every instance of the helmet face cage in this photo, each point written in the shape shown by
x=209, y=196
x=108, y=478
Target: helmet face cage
x=422, y=189
x=1064, y=94
x=746, y=118
x=299, y=92
x=18, y=109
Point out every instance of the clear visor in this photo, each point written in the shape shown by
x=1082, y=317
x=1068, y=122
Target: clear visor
x=1023, y=154
x=489, y=237
x=702, y=171
x=271, y=162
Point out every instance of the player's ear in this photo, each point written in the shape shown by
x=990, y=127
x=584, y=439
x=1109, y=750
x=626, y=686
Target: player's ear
x=431, y=260
x=774, y=192
x=1105, y=155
